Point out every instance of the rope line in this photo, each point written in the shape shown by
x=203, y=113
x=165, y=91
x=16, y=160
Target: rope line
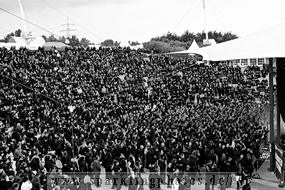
x=28, y=22
x=184, y=16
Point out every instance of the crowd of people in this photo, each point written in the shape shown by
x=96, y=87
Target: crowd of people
x=82, y=109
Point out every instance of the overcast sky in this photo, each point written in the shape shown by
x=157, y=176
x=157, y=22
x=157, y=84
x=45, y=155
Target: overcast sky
x=140, y=20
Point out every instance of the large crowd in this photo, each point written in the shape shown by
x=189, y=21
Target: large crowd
x=127, y=111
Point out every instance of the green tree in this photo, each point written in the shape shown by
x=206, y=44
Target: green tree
x=219, y=37
x=164, y=47
x=18, y=33
x=187, y=36
x=51, y=38
x=172, y=42
x=74, y=41
x=84, y=42
x=62, y=39
x=110, y=42
x=229, y=36
x=116, y=43
x=6, y=38
x=132, y=43
x=44, y=37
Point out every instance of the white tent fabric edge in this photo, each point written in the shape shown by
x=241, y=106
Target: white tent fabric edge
x=266, y=43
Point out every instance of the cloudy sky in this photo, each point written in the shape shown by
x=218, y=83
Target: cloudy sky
x=140, y=20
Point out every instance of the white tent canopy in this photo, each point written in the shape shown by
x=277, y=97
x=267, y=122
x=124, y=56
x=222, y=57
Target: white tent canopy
x=194, y=46
x=125, y=44
x=6, y=45
x=34, y=42
x=266, y=43
x=97, y=46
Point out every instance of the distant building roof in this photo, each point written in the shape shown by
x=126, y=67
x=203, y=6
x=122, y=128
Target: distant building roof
x=38, y=40
x=57, y=45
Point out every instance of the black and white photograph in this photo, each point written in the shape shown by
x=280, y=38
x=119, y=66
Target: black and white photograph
x=142, y=95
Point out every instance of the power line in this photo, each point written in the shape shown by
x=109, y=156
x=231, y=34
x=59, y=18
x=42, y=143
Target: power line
x=29, y=22
x=184, y=16
x=72, y=20
x=90, y=24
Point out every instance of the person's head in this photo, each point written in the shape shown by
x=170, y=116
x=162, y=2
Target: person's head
x=15, y=186
x=25, y=178
x=210, y=162
x=11, y=178
x=248, y=156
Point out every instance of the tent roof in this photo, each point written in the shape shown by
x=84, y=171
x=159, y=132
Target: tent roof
x=96, y=46
x=7, y=45
x=18, y=42
x=59, y=46
x=266, y=43
x=33, y=41
x=194, y=46
x=125, y=44
x=55, y=44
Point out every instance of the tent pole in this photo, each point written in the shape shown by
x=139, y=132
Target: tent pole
x=206, y=31
x=23, y=16
x=271, y=102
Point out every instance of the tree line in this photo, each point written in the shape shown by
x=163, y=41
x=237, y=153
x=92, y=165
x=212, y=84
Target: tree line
x=171, y=42
x=73, y=40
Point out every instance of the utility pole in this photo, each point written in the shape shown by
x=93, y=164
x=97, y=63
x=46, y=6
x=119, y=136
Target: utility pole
x=68, y=30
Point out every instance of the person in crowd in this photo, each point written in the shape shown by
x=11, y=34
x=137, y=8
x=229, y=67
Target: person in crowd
x=155, y=179
x=97, y=171
x=26, y=184
x=113, y=106
x=162, y=163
